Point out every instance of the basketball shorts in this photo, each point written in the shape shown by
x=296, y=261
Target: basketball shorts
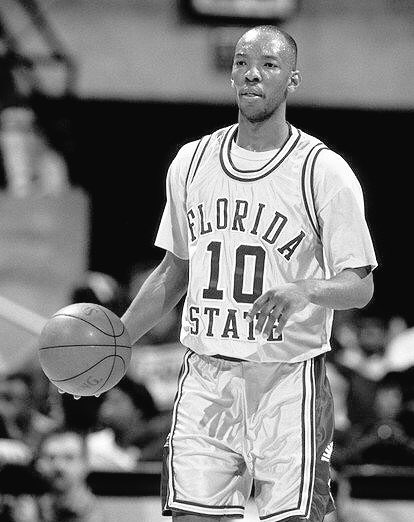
x=241, y=428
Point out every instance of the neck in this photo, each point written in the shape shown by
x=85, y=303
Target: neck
x=263, y=135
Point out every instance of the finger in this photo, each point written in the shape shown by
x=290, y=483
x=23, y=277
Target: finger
x=274, y=317
x=60, y=391
x=271, y=320
x=283, y=318
x=263, y=316
x=76, y=397
x=257, y=306
x=269, y=311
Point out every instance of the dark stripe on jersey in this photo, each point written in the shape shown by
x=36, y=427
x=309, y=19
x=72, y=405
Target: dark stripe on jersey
x=312, y=186
x=199, y=159
x=264, y=166
x=228, y=173
x=191, y=162
x=305, y=200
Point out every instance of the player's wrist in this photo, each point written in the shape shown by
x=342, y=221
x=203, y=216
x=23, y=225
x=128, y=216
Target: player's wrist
x=307, y=288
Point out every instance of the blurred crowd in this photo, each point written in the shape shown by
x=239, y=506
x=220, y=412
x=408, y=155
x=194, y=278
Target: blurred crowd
x=371, y=369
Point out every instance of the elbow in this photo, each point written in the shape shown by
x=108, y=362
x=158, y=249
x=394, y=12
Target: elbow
x=363, y=301
x=366, y=292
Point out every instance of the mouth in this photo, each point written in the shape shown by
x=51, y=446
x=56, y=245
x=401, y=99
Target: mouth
x=251, y=94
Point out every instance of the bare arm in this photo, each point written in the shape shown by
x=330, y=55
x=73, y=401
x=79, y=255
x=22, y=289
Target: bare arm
x=157, y=296
x=351, y=288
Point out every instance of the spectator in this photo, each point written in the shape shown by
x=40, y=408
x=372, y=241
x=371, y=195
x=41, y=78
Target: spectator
x=386, y=440
x=361, y=362
x=21, y=424
x=130, y=425
x=62, y=460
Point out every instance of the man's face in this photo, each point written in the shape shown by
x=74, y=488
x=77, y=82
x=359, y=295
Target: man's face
x=261, y=74
x=62, y=461
x=15, y=399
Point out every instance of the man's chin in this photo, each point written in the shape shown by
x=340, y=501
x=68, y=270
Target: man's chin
x=254, y=117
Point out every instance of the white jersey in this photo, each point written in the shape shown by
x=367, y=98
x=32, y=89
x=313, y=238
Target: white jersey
x=296, y=215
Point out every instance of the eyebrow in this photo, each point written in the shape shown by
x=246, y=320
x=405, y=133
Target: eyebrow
x=265, y=56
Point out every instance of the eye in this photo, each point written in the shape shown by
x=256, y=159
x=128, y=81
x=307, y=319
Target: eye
x=270, y=65
x=240, y=62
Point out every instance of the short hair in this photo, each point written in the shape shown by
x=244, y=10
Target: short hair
x=292, y=48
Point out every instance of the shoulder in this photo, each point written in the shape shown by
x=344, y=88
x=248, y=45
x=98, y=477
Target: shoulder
x=332, y=164
x=330, y=172
x=334, y=176
x=188, y=149
x=191, y=150
x=329, y=168
x=180, y=165
x=327, y=165
x=186, y=152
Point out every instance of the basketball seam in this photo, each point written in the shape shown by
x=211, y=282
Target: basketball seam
x=79, y=345
x=94, y=325
x=114, y=355
x=90, y=368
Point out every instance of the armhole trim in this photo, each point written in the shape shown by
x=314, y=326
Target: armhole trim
x=308, y=186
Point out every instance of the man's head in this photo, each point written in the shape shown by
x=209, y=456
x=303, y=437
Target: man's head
x=15, y=397
x=264, y=71
x=62, y=460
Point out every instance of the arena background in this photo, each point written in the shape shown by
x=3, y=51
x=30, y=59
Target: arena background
x=119, y=85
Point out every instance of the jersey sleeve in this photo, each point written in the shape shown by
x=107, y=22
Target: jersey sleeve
x=339, y=201
x=172, y=231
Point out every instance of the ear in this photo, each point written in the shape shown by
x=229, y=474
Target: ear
x=295, y=81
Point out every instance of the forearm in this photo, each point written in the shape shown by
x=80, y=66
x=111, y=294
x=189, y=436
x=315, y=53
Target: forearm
x=157, y=296
x=344, y=291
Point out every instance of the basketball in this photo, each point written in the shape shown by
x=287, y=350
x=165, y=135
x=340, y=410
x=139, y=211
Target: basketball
x=84, y=349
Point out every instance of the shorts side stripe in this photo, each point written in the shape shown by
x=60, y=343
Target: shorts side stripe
x=171, y=501
x=310, y=453
x=308, y=450
x=170, y=497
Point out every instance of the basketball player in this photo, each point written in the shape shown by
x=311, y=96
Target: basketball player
x=264, y=229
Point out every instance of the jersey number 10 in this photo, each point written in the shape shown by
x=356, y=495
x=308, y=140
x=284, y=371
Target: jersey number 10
x=242, y=251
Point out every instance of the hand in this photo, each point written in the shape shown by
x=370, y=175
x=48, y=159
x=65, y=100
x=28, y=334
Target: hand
x=277, y=305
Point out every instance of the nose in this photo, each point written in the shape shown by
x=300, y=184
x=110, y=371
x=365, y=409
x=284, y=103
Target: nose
x=253, y=74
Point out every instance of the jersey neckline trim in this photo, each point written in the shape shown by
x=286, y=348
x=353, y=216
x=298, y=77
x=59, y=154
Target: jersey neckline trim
x=233, y=172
